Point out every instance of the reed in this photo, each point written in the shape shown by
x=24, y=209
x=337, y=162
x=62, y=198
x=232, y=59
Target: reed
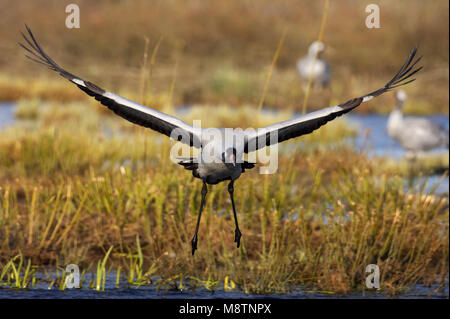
x=298, y=229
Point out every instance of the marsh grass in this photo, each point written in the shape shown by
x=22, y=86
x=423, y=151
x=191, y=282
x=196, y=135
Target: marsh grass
x=17, y=276
x=110, y=205
x=27, y=109
x=436, y=164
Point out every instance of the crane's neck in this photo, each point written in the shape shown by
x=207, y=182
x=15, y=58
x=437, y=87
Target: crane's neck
x=312, y=53
x=399, y=104
x=395, y=121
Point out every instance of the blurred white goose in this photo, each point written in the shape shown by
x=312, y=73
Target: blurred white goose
x=319, y=70
x=414, y=134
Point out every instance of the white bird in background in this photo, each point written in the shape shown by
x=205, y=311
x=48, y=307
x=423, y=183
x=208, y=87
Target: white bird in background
x=319, y=70
x=414, y=134
x=227, y=163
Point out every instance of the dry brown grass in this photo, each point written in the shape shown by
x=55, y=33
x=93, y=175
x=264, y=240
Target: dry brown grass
x=213, y=40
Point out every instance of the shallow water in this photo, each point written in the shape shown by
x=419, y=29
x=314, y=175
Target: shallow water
x=124, y=291
x=152, y=293
x=6, y=114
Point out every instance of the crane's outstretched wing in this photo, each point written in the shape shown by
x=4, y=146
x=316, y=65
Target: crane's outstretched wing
x=129, y=110
x=305, y=124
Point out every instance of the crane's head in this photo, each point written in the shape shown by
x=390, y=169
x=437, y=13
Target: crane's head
x=400, y=97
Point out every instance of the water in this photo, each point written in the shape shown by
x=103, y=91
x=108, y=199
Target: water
x=6, y=114
x=124, y=291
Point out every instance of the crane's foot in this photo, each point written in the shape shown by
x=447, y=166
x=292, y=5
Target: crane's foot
x=194, y=244
x=237, y=237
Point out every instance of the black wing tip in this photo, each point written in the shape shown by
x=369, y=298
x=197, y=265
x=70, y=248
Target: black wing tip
x=407, y=70
x=39, y=55
x=351, y=104
x=402, y=77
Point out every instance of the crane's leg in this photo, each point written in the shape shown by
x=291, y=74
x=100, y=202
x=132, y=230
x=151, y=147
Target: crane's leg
x=194, y=239
x=237, y=232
